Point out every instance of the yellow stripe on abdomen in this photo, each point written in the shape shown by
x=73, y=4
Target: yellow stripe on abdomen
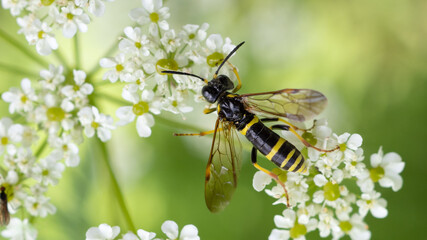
x=290, y=154
x=303, y=168
x=297, y=161
x=275, y=149
x=246, y=128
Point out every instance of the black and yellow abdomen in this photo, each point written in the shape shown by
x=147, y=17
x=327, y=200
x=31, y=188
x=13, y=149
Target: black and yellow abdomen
x=275, y=148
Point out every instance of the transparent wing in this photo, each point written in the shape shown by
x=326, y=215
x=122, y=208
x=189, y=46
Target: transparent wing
x=295, y=104
x=223, y=166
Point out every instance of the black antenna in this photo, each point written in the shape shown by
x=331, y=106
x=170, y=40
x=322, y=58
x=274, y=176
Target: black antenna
x=228, y=56
x=184, y=73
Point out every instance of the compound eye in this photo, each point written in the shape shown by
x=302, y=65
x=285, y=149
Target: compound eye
x=209, y=93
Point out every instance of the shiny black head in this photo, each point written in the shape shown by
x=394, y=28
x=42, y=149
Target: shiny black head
x=216, y=87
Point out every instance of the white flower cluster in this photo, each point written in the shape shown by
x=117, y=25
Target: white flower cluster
x=169, y=228
x=54, y=114
x=152, y=47
x=39, y=18
x=327, y=199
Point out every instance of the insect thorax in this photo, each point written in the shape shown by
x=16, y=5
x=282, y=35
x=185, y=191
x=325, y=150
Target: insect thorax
x=232, y=109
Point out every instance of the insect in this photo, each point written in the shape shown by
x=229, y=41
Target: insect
x=4, y=212
x=240, y=112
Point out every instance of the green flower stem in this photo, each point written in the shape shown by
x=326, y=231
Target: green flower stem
x=17, y=70
x=77, y=51
x=110, y=98
x=102, y=83
x=23, y=48
x=116, y=187
x=41, y=148
x=61, y=59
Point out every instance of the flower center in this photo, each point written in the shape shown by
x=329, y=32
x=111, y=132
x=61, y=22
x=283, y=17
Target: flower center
x=298, y=230
x=45, y=172
x=138, y=45
x=76, y=88
x=24, y=99
x=174, y=103
x=376, y=173
x=40, y=34
x=65, y=148
x=343, y=147
x=214, y=59
x=55, y=114
x=119, y=67
x=309, y=137
x=4, y=141
x=192, y=36
x=346, y=226
x=94, y=125
x=166, y=64
x=140, y=108
x=47, y=2
x=332, y=191
x=154, y=17
x=70, y=16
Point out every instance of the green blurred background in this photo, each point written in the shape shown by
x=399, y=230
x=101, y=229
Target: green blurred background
x=367, y=57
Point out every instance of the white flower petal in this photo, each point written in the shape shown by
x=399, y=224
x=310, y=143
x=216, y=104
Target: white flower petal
x=354, y=141
x=144, y=235
x=143, y=130
x=148, y=119
x=164, y=25
x=277, y=234
x=147, y=95
x=189, y=232
x=125, y=114
x=106, y=230
x=43, y=47
x=107, y=62
x=320, y=180
x=260, y=180
x=376, y=160
x=170, y=228
x=104, y=134
x=379, y=211
x=69, y=29
x=72, y=161
x=130, y=96
x=86, y=89
x=287, y=220
x=89, y=131
x=318, y=197
x=97, y=8
x=343, y=137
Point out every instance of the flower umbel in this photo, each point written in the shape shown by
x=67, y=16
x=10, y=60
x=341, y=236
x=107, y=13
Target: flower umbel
x=169, y=228
x=321, y=200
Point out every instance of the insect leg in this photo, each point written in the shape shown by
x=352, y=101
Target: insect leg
x=292, y=128
x=197, y=134
x=209, y=110
x=239, y=84
x=271, y=174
